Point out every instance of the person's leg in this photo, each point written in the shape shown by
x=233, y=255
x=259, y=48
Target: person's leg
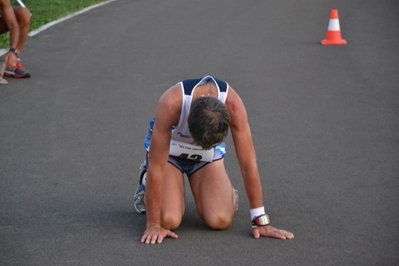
x=23, y=17
x=3, y=26
x=214, y=195
x=173, y=205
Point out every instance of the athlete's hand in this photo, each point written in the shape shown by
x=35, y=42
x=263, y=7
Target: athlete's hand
x=10, y=60
x=156, y=234
x=269, y=231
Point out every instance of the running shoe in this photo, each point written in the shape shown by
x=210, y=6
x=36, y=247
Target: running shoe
x=236, y=194
x=139, y=200
x=139, y=194
x=18, y=72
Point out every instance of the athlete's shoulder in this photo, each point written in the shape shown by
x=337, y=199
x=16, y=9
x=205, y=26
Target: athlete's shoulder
x=234, y=102
x=172, y=98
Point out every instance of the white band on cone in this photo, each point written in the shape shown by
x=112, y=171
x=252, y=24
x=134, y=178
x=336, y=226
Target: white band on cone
x=333, y=25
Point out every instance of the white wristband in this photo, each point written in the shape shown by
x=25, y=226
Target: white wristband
x=257, y=212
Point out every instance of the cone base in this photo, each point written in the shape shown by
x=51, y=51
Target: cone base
x=334, y=42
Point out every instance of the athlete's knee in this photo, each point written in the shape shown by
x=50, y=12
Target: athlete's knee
x=218, y=221
x=171, y=221
x=23, y=16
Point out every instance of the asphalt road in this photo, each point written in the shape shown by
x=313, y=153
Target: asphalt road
x=325, y=122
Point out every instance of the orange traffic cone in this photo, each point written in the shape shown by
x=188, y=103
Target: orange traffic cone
x=334, y=32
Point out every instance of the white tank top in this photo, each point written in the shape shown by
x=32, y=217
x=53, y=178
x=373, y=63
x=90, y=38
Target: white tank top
x=181, y=132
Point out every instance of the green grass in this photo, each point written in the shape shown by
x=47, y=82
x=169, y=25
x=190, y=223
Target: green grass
x=45, y=11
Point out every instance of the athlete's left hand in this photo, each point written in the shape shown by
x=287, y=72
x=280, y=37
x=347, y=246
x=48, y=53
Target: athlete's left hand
x=269, y=231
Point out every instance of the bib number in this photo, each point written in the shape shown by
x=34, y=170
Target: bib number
x=190, y=152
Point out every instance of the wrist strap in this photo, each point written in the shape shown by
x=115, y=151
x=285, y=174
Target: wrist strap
x=261, y=220
x=257, y=212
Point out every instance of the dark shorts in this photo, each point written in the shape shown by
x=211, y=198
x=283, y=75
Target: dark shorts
x=188, y=167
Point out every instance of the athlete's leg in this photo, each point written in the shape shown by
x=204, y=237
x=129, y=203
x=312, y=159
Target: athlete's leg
x=3, y=26
x=173, y=206
x=23, y=17
x=214, y=195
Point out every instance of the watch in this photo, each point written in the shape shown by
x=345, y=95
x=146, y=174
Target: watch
x=261, y=220
x=14, y=50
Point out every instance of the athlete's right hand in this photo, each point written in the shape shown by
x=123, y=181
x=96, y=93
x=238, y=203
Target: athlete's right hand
x=10, y=60
x=156, y=234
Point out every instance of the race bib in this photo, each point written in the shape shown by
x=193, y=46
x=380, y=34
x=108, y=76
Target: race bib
x=190, y=152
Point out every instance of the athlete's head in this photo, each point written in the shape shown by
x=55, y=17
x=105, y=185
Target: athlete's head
x=208, y=121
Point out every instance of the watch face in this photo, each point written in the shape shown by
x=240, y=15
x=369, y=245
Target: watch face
x=262, y=220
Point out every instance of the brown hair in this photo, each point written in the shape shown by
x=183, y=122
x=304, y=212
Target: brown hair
x=208, y=121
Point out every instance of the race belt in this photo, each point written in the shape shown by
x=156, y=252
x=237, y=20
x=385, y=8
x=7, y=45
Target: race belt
x=191, y=152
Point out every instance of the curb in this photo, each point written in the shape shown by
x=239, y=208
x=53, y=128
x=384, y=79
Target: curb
x=48, y=25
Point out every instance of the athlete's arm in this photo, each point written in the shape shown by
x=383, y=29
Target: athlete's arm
x=244, y=148
x=168, y=111
x=246, y=156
